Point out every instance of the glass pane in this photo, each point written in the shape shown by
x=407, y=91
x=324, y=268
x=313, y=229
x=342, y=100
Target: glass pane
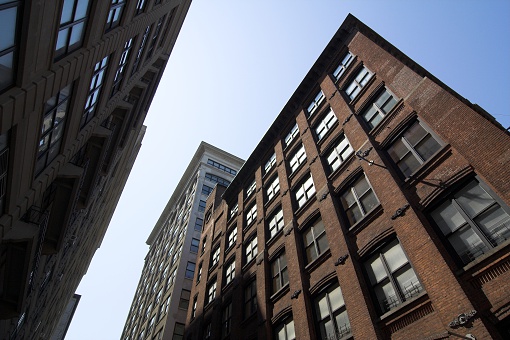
x=395, y=257
x=414, y=134
x=386, y=296
x=398, y=150
x=361, y=186
x=375, y=269
x=427, y=147
x=496, y=224
x=467, y=244
x=318, y=228
x=322, y=307
x=328, y=330
x=67, y=11
x=61, y=41
x=408, y=282
x=291, y=334
x=311, y=253
x=322, y=243
x=61, y=112
x=447, y=218
x=57, y=133
x=409, y=164
x=53, y=152
x=81, y=9
x=376, y=119
x=334, y=160
x=43, y=144
x=473, y=199
x=348, y=199
x=369, y=114
x=76, y=36
x=336, y=299
x=7, y=27
x=342, y=322
x=280, y=333
x=354, y=214
x=47, y=122
x=6, y=73
x=369, y=201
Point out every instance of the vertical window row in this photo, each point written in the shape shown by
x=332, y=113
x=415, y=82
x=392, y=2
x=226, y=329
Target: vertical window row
x=72, y=27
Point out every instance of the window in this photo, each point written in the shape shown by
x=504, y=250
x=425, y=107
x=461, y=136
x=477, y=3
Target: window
x=201, y=206
x=359, y=200
x=199, y=272
x=326, y=124
x=250, y=299
x=226, y=320
x=178, y=331
x=234, y=210
x=251, y=189
x=119, y=74
x=204, y=243
x=298, y=158
x=316, y=242
x=158, y=297
x=53, y=125
x=164, y=307
x=354, y=88
x=8, y=57
x=230, y=271
x=232, y=237
x=279, y=272
x=211, y=292
x=292, y=134
x=273, y=188
x=199, y=223
x=316, y=102
x=413, y=148
x=115, y=13
x=284, y=330
x=331, y=314
x=184, y=300
x=190, y=270
x=473, y=221
x=251, y=215
x=379, y=108
x=195, y=242
x=171, y=278
x=340, y=70
x=194, y=307
x=339, y=153
x=94, y=90
x=221, y=167
x=270, y=163
x=208, y=331
x=138, y=57
x=155, y=36
x=72, y=26
x=140, y=6
x=215, y=256
x=392, y=278
x=250, y=251
x=206, y=190
x=276, y=223
x=151, y=325
x=304, y=191
x=217, y=179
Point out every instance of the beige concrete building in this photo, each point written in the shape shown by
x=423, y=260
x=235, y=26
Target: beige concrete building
x=76, y=80
x=162, y=298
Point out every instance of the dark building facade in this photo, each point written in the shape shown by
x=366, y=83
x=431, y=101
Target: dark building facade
x=376, y=206
x=76, y=80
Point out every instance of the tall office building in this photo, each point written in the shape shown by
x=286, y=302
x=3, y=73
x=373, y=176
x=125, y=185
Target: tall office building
x=376, y=206
x=161, y=300
x=76, y=80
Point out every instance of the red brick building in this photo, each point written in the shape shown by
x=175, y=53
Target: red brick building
x=375, y=207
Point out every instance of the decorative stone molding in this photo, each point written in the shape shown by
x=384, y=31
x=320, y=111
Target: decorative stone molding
x=323, y=193
x=260, y=257
x=462, y=319
x=285, y=192
x=400, y=211
x=363, y=154
x=341, y=260
x=332, y=95
x=347, y=119
x=295, y=294
x=288, y=228
x=306, y=129
x=313, y=160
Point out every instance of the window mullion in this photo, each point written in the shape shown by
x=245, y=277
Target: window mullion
x=472, y=224
x=396, y=288
x=358, y=202
x=412, y=150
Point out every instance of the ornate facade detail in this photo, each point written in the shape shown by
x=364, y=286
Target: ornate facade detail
x=347, y=119
x=400, y=211
x=462, y=319
x=313, y=160
x=295, y=294
x=363, y=154
x=341, y=260
x=332, y=95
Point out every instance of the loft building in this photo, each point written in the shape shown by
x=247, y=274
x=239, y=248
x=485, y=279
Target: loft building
x=161, y=300
x=76, y=80
x=376, y=206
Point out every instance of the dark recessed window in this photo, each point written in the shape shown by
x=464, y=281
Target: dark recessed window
x=115, y=14
x=190, y=270
x=217, y=179
x=340, y=70
x=379, y=108
x=358, y=200
x=250, y=298
x=138, y=57
x=284, y=330
x=315, y=240
x=119, y=74
x=96, y=84
x=279, y=274
x=358, y=83
x=72, y=27
x=331, y=314
x=226, y=320
x=9, y=11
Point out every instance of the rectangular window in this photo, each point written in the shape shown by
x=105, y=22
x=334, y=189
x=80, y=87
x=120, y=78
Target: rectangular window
x=115, y=14
x=251, y=189
x=340, y=152
x=204, y=243
x=354, y=88
x=391, y=276
x=331, y=314
x=250, y=250
x=199, y=272
x=304, y=191
x=279, y=274
x=298, y=158
x=201, y=206
x=171, y=278
x=138, y=57
x=316, y=242
x=359, y=200
x=226, y=320
x=251, y=215
x=151, y=325
x=8, y=52
x=184, y=300
x=52, y=130
x=326, y=124
x=72, y=27
x=340, y=70
x=276, y=223
x=119, y=74
x=284, y=330
x=232, y=237
x=215, y=258
x=230, y=271
x=178, y=331
x=211, y=292
x=413, y=148
x=234, y=210
x=199, y=222
x=206, y=190
x=155, y=36
x=140, y=6
x=194, y=307
x=316, y=103
x=250, y=299
x=217, y=179
x=195, y=242
x=473, y=221
x=270, y=163
x=190, y=270
x=291, y=135
x=208, y=331
x=379, y=108
x=94, y=91
x=221, y=167
x=273, y=188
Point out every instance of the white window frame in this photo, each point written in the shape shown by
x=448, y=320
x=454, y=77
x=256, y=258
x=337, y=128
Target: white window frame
x=291, y=135
x=251, y=250
x=251, y=215
x=273, y=188
x=276, y=223
x=339, y=153
x=215, y=258
x=297, y=159
x=270, y=163
x=230, y=271
x=357, y=84
x=344, y=64
x=326, y=124
x=251, y=189
x=232, y=237
x=316, y=103
x=304, y=191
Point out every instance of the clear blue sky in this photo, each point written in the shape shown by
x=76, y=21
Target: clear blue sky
x=235, y=65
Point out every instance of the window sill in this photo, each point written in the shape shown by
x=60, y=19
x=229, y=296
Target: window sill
x=405, y=306
x=367, y=219
x=302, y=208
x=298, y=169
x=330, y=131
x=281, y=292
x=232, y=246
x=270, y=201
x=427, y=165
x=274, y=237
x=480, y=259
x=342, y=167
x=318, y=261
x=248, y=264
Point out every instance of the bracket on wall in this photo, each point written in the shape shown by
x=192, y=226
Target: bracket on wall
x=347, y=119
x=332, y=95
x=363, y=154
x=341, y=259
x=313, y=160
x=285, y=192
x=295, y=294
x=462, y=319
x=306, y=129
x=400, y=211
